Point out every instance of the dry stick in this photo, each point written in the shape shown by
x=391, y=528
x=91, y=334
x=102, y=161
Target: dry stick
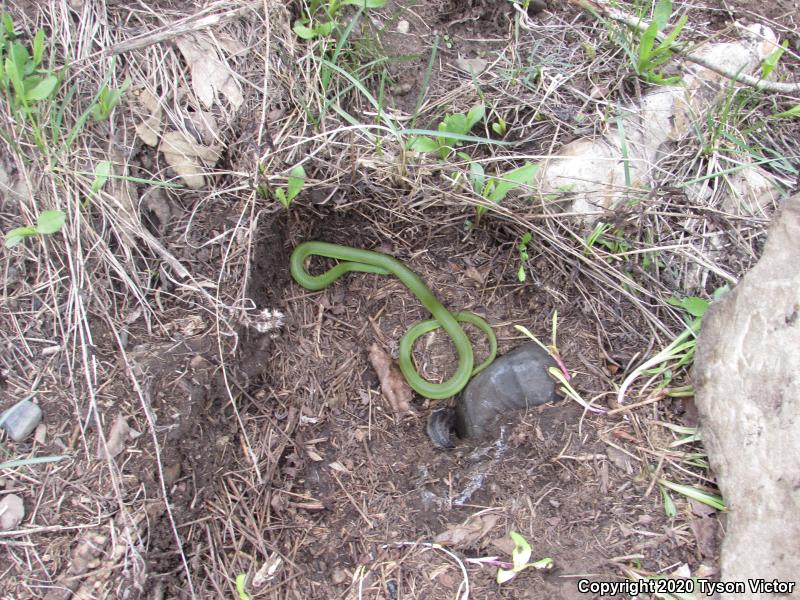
x=186, y=25
x=597, y=7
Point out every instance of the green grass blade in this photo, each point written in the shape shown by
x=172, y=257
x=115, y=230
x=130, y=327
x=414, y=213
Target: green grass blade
x=661, y=14
x=425, y=81
x=706, y=498
x=26, y=462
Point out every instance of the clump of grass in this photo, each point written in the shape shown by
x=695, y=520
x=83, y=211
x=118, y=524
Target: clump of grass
x=651, y=50
x=321, y=17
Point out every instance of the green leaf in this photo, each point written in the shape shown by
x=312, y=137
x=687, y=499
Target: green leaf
x=38, y=47
x=241, y=586
x=325, y=29
x=769, y=64
x=8, y=24
x=423, y=144
x=512, y=179
x=304, y=32
x=280, y=194
x=720, y=291
x=50, y=221
x=661, y=13
x=364, y=3
x=787, y=114
x=101, y=173
x=15, y=236
x=505, y=575
x=692, y=304
x=711, y=500
x=646, y=47
x=19, y=55
x=43, y=89
x=521, y=274
x=297, y=178
x=522, y=550
x=15, y=76
x=455, y=123
x=477, y=176
x=672, y=35
x=669, y=504
x=475, y=115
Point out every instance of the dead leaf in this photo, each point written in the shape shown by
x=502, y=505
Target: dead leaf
x=475, y=275
x=619, y=459
x=337, y=466
x=469, y=533
x=705, y=532
x=148, y=108
x=188, y=158
x=210, y=73
x=472, y=65
x=313, y=455
x=393, y=385
x=701, y=509
x=267, y=571
x=118, y=436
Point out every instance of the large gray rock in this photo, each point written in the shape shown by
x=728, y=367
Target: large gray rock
x=747, y=376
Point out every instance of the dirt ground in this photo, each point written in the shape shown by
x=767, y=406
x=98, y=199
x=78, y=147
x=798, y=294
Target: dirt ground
x=279, y=456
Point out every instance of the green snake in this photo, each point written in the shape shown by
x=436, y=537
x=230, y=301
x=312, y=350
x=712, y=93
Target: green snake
x=367, y=261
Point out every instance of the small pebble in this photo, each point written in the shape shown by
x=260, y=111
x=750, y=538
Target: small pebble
x=12, y=511
x=403, y=26
x=21, y=419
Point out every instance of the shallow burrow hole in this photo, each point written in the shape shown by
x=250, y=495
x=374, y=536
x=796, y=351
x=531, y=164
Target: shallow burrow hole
x=356, y=477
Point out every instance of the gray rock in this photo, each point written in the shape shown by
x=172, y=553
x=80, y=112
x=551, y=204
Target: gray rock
x=12, y=511
x=514, y=382
x=748, y=394
x=21, y=419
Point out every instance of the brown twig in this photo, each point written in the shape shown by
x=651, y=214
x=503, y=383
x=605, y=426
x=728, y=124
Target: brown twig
x=188, y=24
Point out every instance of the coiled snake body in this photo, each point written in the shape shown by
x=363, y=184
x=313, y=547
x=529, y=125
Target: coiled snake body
x=367, y=261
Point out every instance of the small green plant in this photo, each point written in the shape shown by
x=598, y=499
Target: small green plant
x=297, y=179
x=328, y=13
x=459, y=124
x=495, y=189
x=241, y=586
x=519, y=559
x=24, y=79
x=31, y=85
x=523, y=255
x=613, y=240
x=651, y=54
x=500, y=127
x=107, y=100
x=48, y=222
x=679, y=352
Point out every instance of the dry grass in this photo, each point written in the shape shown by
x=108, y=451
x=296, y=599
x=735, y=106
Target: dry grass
x=144, y=306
